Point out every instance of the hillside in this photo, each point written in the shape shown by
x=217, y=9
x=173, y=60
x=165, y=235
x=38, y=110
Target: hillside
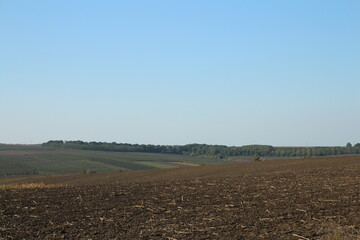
x=70, y=157
x=26, y=161
x=316, y=198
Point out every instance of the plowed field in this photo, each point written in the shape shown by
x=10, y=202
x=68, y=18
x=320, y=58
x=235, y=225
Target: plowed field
x=317, y=198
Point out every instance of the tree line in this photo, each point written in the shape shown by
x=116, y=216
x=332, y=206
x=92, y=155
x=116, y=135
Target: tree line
x=216, y=151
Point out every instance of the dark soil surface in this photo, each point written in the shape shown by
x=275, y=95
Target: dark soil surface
x=288, y=199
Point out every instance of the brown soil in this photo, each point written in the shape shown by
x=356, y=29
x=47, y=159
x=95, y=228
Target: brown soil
x=316, y=198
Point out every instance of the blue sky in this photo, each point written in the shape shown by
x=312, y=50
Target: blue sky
x=284, y=73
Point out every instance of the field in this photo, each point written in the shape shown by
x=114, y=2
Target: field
x=24, y=160
x=316, y=198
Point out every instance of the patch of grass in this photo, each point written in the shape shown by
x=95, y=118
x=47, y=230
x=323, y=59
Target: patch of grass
x=10, y=179
x=21, y=147
x=157, y=165
x=29, y=186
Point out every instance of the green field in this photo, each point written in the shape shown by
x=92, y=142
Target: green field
x=27, y=161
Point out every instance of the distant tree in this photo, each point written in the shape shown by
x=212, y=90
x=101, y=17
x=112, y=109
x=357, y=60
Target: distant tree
x=54, y=144
x=356, y=148
x=215, y=151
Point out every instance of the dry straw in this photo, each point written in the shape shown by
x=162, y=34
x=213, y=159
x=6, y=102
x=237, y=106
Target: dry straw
x=29, y=186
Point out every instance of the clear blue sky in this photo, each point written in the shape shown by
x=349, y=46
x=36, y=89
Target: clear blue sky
x=282, y=73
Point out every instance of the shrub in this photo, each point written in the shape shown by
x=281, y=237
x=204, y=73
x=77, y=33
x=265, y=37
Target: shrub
x=88, y=171
x=256, y=158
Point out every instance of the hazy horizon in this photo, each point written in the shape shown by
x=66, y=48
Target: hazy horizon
x=344, y=145
x=282, y=73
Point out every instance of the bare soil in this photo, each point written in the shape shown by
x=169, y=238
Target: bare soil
x=317, y=198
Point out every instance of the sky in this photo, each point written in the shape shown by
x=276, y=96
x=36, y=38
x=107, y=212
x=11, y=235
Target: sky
x=283, y=73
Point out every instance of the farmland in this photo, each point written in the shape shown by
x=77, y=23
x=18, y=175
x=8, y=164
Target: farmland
x=42, y=161
x=315, y=198
x=71, y=157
